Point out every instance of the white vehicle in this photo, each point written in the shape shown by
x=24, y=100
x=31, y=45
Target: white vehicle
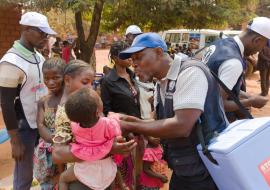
x=194, y=39
x=231, y=33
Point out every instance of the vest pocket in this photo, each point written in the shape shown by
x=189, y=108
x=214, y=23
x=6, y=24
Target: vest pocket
x=188, y=166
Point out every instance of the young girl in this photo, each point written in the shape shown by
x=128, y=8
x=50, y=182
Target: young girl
x=154, y=168
x=120, y=94
x=94, y=139
x=77, y=75
x=44, y=169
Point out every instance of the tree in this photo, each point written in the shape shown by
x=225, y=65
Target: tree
x=152, y=15
x=264, y=8
x=157, y=15
x=80, y=9
x=87, y=44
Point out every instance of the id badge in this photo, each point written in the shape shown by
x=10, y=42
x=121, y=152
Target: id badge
x=40, y=92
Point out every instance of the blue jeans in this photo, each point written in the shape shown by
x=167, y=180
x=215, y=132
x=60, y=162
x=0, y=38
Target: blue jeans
x=23, y=172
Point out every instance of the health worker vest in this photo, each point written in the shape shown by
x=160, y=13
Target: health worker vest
x=181, y=153
x=32, y=87
x=220, y=51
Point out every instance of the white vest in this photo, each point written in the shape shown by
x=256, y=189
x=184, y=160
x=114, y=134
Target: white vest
x=32, y=88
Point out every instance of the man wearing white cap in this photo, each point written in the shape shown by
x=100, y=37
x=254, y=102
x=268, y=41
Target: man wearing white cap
x=131, y=32
x=226, y=59
x=21, y=86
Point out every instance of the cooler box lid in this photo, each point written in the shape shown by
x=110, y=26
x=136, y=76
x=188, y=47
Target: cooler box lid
x=236, y=134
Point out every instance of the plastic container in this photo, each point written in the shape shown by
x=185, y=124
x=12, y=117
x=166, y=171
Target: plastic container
x=243, y=155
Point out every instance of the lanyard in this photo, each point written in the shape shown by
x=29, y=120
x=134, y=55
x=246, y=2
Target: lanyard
x=37, y=63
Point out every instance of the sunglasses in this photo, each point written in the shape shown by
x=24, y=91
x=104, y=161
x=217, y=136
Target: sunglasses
x=43, y=34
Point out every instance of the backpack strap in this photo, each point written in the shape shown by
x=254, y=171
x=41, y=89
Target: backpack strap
x=205, y=149
x=233, y=97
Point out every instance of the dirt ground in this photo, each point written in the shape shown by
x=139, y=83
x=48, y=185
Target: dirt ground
x=7, y=164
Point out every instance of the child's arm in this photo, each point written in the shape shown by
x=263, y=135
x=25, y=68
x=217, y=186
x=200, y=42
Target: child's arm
x=43, y=131
x=147, y=170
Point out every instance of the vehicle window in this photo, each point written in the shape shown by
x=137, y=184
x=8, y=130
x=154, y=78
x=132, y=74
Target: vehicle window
x=210, y=39
x=185, y=37
x=168, y=37
x=175, y=38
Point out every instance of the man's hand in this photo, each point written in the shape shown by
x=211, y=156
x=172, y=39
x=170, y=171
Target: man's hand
x=125, y=125
x=120, y=146
x=164, y=179
x=258, y=101
x=129, y=118
x=125, y=129
x=17, y=146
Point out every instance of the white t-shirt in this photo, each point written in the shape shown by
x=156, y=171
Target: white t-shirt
x=231, y=69
x=191, y=88
x=144, y=99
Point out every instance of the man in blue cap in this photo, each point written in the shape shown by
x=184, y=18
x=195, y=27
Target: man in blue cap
x=21, y=86
x=186, y=96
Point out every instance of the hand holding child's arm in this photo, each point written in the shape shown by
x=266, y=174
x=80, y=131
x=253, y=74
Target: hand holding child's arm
x=61, y=154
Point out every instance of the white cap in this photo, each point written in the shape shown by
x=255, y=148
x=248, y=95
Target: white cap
x=133, y=29
x=260, y=25
x=37, y=20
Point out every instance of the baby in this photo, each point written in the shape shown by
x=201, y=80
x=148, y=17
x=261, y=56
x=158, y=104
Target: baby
x=94, y=136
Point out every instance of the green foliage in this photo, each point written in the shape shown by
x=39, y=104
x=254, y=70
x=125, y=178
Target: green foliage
x=156, y=15
x=7, y=2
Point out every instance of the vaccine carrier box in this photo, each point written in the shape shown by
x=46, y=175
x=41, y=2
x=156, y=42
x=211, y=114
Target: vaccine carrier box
x=242, y=152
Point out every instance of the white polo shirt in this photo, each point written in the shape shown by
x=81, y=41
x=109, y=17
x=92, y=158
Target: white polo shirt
x=231, y=69
x=191, y=87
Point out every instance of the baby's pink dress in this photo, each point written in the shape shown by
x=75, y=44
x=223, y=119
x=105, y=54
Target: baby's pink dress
x=92, y=145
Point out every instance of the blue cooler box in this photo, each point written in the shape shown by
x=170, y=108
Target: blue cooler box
x=243, y=155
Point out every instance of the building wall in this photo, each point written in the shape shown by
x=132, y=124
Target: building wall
x=9, y=27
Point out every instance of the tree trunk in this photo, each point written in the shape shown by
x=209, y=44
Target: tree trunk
x=95, y=23
x=81, y=37
x=87, y=46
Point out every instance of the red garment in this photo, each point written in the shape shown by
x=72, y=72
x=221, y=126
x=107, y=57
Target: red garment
x=153, y=155
x=66, y=54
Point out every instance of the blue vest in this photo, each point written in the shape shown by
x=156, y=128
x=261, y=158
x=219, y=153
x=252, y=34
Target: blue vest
x=181, y=153
x=220, y=51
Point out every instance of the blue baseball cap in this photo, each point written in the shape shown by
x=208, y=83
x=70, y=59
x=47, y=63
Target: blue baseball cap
x=143, y=41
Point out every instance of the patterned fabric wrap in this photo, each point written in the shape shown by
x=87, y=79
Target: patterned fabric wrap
x=44, y=169
x=62, y=127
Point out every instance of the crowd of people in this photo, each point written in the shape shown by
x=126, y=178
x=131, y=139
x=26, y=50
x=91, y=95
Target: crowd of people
x=142, y=121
